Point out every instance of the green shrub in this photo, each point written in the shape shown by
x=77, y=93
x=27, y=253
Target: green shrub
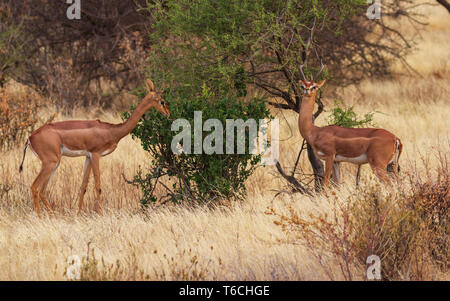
x=195, y=177
x=347, y=117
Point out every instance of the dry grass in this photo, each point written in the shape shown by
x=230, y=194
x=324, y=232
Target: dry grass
x=234, y=242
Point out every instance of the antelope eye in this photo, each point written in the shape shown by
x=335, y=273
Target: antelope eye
x=162, y=103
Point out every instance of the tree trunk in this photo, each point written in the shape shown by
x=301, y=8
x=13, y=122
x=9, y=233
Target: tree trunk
x=317, y=167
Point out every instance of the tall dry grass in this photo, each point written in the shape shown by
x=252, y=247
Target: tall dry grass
x=237, y=241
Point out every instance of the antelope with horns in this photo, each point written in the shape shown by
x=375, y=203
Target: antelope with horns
x=334, y=144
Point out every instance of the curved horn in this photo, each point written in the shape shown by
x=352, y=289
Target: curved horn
x=304, y=54
x=301, y=72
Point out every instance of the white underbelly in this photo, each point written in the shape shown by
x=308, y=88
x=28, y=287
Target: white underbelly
x=362, y=159
x=74, y=153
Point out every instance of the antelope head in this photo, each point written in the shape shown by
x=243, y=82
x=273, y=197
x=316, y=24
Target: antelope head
x=154, y=99
x=310, y=87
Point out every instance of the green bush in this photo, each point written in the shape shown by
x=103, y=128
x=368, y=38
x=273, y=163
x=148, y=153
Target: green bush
x=346, y=117
x=195, y=177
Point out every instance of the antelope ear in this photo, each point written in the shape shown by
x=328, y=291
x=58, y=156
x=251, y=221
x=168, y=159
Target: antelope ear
x=321, y=83
x=150, y=85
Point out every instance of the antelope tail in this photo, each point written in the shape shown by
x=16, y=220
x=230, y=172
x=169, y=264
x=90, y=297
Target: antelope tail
x=399, y=148
x=24, y=153
x=393, y=166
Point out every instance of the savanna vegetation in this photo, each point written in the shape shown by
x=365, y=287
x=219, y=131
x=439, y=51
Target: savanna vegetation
x=226, y=217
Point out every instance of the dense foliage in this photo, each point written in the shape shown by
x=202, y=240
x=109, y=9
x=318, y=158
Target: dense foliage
x=262, y=43
x=101, y=54
x=197, y=177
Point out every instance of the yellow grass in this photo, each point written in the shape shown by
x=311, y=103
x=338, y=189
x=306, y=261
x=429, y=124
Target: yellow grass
x=235, y=242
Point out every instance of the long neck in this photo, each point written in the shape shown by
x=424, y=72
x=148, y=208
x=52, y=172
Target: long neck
x=305, y=122
x=126, y=127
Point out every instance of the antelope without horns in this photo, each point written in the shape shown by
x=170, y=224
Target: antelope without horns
x=90, y=138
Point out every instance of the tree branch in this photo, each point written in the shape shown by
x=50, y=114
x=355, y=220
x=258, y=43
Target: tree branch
x=280, y=105
x=297, y=186
x=445, y=4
